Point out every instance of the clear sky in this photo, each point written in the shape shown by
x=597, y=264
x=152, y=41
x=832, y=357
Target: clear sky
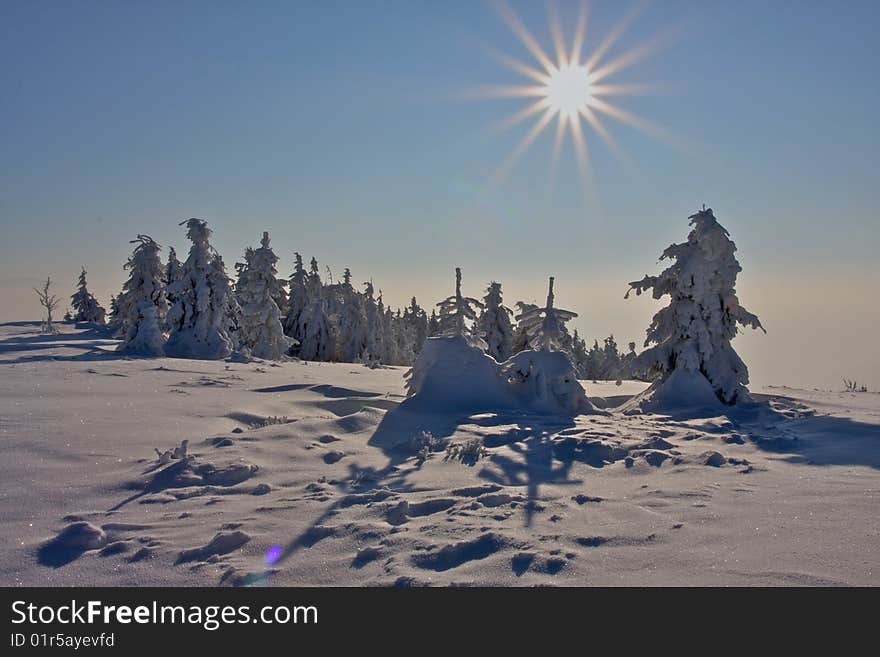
x=347, y=130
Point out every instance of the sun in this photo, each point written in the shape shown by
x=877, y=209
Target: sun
x=572, y=86
x=569, y=90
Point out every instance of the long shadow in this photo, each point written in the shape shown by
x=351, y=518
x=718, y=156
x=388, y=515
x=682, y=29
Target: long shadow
x=796, y=432
x=535, y=440
x=90, y=333
x=393, y=437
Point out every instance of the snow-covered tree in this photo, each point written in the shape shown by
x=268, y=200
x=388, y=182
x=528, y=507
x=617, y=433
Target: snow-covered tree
x=142, y=305
x=114, y=320
x=50, y=302
x=85, y=307
x=199, y=319
x=433, y=324
x=520, y=335
x=260, y=330
x=298, y=296
x=352, y=328
x=458, y=315
x=313, y=329
x=415, y=330
x=494, y=324
x=173, y=272
x=693, y=333
x=545, y=327
x=374, y=316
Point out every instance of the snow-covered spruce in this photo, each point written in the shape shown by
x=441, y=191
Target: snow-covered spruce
x=85, y=307
x=494, y=324
x=260, y=330
x=199, y=319
x=313, y=327
x=298, y=296
x=458, y=315
x=691, y=336
x=352, y=320
x=544, y=327
x=142, y=305
x=173, y=272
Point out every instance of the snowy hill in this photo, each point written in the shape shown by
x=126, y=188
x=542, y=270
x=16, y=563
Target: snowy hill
x=302, y=473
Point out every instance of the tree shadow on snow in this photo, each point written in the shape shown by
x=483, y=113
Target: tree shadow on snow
x=787, y=427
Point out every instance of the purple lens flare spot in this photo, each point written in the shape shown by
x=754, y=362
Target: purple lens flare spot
x=273, y=554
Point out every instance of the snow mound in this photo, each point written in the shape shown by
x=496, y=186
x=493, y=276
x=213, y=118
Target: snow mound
x=681, y=390
x=451, y=374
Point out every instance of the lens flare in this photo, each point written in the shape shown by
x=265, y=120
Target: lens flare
x=273, y=554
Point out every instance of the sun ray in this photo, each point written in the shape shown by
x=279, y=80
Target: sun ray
x=519, y=116
x=580, y=33
x=561, y=123
x=506, y=91
x=637, y=54
x=630, y=119
x=522, y=32
x=591, y=118
x=582, y=152
x=517, y=66
x=642, y=89
x=614, y=35
x=511, y=160
x=556, y=31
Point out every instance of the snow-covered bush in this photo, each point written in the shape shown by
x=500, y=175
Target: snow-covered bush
x=494, y=324
x=260, y=329
x=450, y=374
x=691, y=336
x=546, y=381
x=85, y=307
x=200, y=317
x=142, y=305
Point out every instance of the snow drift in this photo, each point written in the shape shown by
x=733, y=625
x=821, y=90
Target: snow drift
x=451, y=374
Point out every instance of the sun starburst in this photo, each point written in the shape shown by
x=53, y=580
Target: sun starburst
x=571, y=86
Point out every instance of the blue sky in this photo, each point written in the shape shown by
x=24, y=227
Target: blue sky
x=343, y=129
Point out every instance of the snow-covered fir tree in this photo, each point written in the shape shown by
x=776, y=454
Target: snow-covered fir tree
x=173, y=272
x=458, y=315
x=85, y=307
x=415, y=321
x=142, y=305
x=374, y=317
x=233, y=309
x=520, y=334
x=313, y=330
x=114, y=321
x=257, y=290
x=433, y=324
x=693, y=333
x=352, y=324
x=545, y=327
x=200, y=318
x=494, y=324
x=297, y=296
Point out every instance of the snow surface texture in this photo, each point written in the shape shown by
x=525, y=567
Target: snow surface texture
x=317, y=473
x=693, y=333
